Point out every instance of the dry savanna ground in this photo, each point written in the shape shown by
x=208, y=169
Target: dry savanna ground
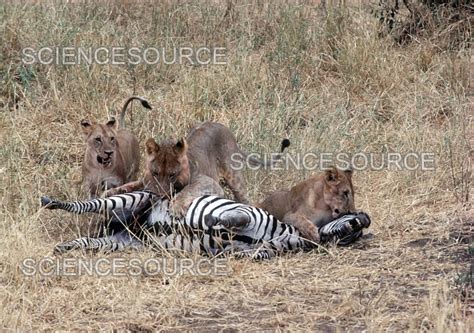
x=332, y=83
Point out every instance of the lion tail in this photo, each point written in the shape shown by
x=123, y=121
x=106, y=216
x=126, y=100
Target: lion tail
x=144, y=102
x=285, y=143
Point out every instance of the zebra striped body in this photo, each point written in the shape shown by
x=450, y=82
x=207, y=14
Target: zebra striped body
x=258, y=230
x=212, y=225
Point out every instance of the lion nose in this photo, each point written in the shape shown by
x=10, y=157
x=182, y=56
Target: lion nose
x=109, y=152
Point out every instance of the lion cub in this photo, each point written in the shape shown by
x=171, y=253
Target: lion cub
x=314, y=202
x=112, y=154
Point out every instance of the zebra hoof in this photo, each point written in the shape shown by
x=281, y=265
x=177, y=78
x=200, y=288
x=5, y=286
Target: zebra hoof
x=260, y=255
x=355, y=224
x=361, y=221
x=210, y=220
x=61, y=249
x=48, y=203
x=364, y=219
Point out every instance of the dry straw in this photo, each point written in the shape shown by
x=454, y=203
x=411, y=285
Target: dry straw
x=330, y=83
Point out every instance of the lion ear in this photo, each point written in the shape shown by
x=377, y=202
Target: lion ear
x=86, y=126
x=181, y=146
x=112, y=122
x=151, y=146
x=331, y=176
x=349, y=172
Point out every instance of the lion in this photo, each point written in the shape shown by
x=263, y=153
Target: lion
x=197, y=163
x=112, y=155
x=314, y=202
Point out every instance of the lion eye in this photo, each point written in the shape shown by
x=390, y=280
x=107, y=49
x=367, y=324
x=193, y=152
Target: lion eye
x=112, y=139
x=98, y=140
x=346, y=193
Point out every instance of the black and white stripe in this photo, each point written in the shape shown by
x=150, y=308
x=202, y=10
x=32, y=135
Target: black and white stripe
x=129, y=201
x=238, y=227
x=212, y=225
x=346, y=229
x=115, y=242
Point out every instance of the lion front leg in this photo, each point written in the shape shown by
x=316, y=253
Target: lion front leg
x=202, y=185
x=90, y=188
x=126, y=188
x=306, y=229
x=180, y=203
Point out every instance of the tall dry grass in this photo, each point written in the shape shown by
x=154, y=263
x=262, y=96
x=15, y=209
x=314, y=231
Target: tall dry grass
x=330, y=84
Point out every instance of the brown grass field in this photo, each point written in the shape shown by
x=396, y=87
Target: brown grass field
x=330, y=84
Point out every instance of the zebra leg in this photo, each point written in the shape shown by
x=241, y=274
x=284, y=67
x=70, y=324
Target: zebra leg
x=230, y=220
x=258, y=255
x=100, y=205
x=86, y=243
x=49, y=203
x=112, y=243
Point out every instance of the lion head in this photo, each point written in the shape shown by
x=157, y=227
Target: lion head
x=167, y=168
x=338, y=191
x=101, y=142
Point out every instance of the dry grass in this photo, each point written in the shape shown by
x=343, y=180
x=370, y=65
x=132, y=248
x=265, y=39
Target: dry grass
x=330, y=86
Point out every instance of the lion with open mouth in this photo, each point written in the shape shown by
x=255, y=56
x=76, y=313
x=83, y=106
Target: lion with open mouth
x=112, y=156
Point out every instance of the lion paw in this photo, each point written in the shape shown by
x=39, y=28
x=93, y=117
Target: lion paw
x=178, y=208
x=114, y=191
x=310, y=232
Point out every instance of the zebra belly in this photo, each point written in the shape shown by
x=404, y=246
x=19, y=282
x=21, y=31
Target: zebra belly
x=182, y=237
